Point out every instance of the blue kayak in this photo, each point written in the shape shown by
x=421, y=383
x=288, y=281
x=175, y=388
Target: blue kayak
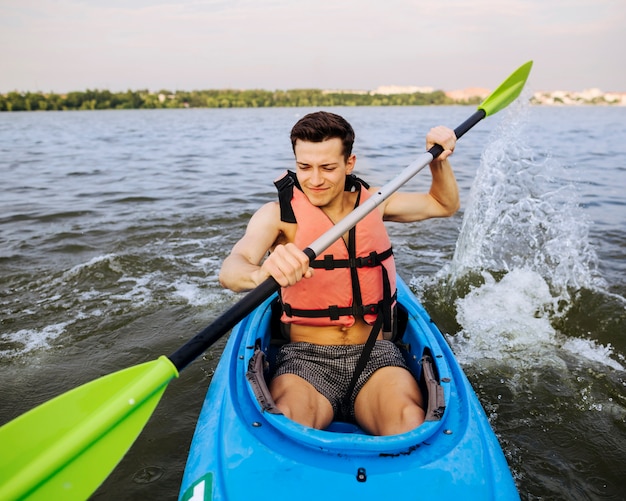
x=243, y=448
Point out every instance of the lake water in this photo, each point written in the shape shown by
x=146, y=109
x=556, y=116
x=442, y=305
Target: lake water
x=113, y=225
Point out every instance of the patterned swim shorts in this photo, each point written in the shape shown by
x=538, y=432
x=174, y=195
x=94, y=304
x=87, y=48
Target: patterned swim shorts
x=330, y=369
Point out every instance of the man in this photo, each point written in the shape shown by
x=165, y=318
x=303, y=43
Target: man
x=332, y=306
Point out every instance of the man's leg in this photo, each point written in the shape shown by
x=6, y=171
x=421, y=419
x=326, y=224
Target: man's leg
x=297, y=399
x=390, y=403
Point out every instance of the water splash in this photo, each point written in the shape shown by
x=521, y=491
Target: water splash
x=522, y=256
x=523, y=213
x=509, y=314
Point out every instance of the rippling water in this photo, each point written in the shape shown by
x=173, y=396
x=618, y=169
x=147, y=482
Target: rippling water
x=113, y=225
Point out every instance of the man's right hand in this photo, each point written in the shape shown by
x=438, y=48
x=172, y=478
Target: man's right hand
x=287, y=264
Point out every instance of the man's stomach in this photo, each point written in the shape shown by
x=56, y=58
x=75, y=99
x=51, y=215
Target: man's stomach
x=332, y=334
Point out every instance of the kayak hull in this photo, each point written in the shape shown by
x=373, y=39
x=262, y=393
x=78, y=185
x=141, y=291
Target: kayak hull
x=238, y=447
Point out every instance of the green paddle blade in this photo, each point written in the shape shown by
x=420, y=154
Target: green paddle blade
x=65, y=448
x=508, y=91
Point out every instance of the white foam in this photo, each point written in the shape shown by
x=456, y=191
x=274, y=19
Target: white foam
x=27, y=340
x=505, y=319
x=140, y=293
x=510, y=321
x=195, y=293
x=190, y=292
x=592, y=351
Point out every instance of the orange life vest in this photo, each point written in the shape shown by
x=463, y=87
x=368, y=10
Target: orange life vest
x=353, y=280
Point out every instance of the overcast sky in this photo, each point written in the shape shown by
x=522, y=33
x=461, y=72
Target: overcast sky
x=63, y=45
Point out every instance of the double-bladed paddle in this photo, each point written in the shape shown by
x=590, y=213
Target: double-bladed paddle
x=66, y=447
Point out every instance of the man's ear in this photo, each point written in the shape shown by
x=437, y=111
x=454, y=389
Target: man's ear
x=350, y=164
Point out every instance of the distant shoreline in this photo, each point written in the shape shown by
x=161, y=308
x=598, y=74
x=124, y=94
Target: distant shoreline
x=228, y=98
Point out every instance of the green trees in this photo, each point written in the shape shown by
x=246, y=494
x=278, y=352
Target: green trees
x=227, y=98
x=82, y=100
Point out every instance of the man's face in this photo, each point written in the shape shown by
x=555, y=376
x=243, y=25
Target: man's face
x=321, y=170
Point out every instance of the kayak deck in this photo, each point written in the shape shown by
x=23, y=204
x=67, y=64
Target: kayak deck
x=239, y=447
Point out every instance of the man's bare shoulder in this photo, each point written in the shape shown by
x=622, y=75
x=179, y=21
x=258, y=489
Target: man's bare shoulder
x=268, y=216
x=267, y=219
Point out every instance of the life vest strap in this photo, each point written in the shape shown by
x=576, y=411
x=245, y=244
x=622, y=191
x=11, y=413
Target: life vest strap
x=328, y=262
x=289, y=180
x=334, y=312
x=285, y=185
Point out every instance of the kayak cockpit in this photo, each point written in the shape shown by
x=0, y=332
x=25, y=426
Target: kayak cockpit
x=417, y=353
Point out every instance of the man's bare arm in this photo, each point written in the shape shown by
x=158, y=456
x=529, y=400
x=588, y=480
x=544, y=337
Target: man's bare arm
x=245, y=267
x=443, y=198
x=241, y=270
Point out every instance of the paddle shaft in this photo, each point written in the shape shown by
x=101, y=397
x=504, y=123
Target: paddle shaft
x=227, y=320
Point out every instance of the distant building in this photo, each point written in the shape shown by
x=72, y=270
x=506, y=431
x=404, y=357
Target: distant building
x=467, y=94
x=387, y=90
x=587, y=96
x=344, y=91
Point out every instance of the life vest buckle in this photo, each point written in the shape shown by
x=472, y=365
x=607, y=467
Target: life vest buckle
x=329, y=262
x=369, y=261
x=370, y=309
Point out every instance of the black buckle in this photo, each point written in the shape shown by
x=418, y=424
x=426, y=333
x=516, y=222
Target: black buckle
x=369, y=261
x=284, y=182
x=329, y=262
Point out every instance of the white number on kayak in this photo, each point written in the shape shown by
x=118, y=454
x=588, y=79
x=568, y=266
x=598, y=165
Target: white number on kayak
x=201, y=490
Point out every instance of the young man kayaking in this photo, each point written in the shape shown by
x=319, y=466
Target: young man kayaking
x=332, y=306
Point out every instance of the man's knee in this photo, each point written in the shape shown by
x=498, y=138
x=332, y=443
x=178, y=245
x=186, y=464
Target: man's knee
x=299, y=401
x=412, y=416
x=390, y=403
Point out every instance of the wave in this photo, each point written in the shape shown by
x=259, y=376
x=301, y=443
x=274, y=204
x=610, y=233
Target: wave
x=108, y=291
x=25, y=341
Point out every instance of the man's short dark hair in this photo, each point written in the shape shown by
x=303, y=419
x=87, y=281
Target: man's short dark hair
x=322, y=125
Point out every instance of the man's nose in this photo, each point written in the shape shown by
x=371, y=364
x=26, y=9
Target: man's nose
x=316, y=177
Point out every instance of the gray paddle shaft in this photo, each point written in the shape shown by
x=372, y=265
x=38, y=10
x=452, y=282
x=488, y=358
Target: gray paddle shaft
x=227, y=320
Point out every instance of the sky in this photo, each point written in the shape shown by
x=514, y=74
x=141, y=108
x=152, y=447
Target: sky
x=65, y=45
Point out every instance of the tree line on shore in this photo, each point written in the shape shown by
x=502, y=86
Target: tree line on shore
x=143, y=99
